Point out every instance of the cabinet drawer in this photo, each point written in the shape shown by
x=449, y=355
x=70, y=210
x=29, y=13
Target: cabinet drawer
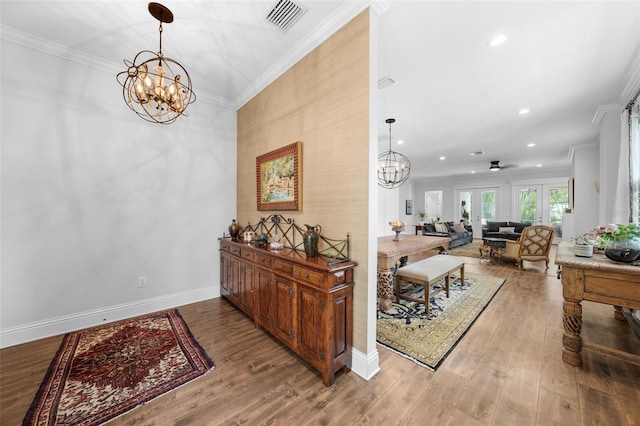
x=248, y=254
x=230, y=248
x=283, y=267
x=263, y=260
x=339, y=277
x=307, y=275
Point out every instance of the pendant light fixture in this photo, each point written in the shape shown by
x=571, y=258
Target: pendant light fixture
x=155, y=87
x=393, y=167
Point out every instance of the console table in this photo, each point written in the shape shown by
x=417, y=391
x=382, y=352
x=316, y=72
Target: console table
x=596, y=279
x=306, y=303
x=390, y=251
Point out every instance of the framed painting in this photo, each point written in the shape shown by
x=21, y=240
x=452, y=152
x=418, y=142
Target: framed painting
x=408, y=207
x=279, y=178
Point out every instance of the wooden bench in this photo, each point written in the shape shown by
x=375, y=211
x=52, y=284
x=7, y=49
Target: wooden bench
x=428, y=272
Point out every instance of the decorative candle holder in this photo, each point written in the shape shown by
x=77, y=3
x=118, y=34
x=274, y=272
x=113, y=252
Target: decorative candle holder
x=397, y=231
x=397, y=227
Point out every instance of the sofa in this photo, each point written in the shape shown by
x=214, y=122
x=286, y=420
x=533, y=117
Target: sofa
x=504, y=230
x=459, y=236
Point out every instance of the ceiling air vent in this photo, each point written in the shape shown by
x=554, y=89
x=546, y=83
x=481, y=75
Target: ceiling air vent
x=285, y=13
x=385, y=82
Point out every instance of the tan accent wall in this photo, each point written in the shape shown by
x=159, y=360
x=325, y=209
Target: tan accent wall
x=322, y=101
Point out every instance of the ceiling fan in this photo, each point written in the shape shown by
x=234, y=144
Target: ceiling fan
x=495, y=166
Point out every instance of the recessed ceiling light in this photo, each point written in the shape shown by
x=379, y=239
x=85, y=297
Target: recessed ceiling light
x=443, y=157
x=523, y=111
x=530, y=145
x=538, y=165
x=400, y=142
x=473, y=171
x=497, y=40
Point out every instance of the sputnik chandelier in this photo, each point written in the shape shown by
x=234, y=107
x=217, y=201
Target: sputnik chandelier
x=155, y=87
x=393, y=167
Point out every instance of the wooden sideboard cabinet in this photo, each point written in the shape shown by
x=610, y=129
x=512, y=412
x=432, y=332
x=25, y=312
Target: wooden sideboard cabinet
x=305, y=303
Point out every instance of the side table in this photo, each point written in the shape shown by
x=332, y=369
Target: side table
x=493, y=248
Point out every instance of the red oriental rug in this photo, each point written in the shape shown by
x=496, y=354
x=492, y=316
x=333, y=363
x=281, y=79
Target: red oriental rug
x=103, y=372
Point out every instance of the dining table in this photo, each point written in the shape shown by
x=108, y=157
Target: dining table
x=390, y=252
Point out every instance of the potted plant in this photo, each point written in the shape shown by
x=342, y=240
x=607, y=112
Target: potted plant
x=582, y=245
x=422, y=215
x=621, y=243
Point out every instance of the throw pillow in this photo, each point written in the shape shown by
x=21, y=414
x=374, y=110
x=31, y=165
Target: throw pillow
x=441, y=227
x=458, y=228
x=507, y=230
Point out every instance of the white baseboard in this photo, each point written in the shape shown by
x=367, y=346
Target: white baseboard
x=365, y=365
x=52, y=327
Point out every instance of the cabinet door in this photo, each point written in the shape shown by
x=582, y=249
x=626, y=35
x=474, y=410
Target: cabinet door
x=225, y=269
x=265, y=297
x=232, y=273
x=312, y=339
x=247, y=288
x=283, y=310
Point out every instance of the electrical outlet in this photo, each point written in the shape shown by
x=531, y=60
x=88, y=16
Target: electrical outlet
x=142, y=281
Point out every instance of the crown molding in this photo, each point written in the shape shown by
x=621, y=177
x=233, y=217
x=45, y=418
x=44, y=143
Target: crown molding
x=629, y=92
x=574, y=148
x=49, y=47
x=30, y=41
x=345, y=13
x=632, y=88
x=602, y=110
x=380, y=7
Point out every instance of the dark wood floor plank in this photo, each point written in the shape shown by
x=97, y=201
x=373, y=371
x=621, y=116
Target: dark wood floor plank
x=506, y=370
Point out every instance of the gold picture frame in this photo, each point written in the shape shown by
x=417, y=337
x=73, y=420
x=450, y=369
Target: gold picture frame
x=279, y=178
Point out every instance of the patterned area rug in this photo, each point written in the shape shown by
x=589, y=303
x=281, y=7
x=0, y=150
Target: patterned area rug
x=428, y=337
x=473, y=250
x=103, y=372
x=468, y=250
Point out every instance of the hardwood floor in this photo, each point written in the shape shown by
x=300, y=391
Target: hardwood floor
x=507, y=370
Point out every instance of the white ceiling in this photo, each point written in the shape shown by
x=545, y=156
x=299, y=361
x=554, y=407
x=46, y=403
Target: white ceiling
x=453, y=94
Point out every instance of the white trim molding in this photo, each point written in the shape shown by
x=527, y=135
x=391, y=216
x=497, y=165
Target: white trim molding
x=602, y=110
x=52, y=327
x=632, y=86
x=365, y=365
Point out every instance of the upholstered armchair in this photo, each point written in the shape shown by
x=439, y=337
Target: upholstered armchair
x=533, y=245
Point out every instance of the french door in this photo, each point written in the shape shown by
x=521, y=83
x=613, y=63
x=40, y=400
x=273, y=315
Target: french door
x=541, y=204
x=477, y=206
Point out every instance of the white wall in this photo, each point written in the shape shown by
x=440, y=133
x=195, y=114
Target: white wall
x=93, y=197
x=586, y=198
x=609, y=152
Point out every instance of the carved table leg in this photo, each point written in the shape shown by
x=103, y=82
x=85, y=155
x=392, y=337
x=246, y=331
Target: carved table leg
x=617, y=314
x=571, y=340
x=385, y=288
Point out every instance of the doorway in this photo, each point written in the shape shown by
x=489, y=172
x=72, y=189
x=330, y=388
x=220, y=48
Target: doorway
x=433, y=206
x=476, y=206
x=541, y=204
